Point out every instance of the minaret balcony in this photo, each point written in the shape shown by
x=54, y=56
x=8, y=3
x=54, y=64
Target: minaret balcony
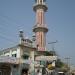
x=37, y=28
x=40, y=6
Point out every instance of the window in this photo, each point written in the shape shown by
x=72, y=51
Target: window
x=42, y=62
x=14, y=55
x=25, y=56
x=41, y=39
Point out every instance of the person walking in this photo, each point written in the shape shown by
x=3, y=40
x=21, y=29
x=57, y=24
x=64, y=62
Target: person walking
x=38, y=72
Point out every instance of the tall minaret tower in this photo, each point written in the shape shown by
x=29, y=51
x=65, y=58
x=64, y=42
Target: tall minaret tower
x=40, y=28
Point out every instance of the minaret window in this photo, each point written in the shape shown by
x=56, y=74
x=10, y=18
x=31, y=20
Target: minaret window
x=41, y=17
x=40, y=1
x=41, y=39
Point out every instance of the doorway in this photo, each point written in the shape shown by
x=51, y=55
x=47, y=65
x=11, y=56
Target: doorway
x=5, y=69
x=24, y=71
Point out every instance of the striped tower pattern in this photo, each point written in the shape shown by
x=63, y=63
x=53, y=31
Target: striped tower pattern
x=40, y=28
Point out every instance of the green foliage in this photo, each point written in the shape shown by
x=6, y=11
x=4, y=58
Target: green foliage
x=59, y=63
x=50, y=53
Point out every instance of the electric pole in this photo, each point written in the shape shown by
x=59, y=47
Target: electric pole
x=68, y=64
x=53, y=46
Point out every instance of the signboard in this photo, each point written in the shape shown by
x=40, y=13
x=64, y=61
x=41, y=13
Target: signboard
x=41, y=49
x=46, y=58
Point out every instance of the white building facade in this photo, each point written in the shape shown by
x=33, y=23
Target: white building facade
x=25, y=57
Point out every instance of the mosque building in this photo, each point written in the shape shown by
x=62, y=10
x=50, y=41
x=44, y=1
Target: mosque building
x=29, y=56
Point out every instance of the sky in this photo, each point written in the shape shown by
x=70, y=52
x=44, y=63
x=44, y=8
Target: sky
x=16, y=15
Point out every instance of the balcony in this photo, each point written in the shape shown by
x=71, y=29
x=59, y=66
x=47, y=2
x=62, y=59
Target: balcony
x=40, y=27
x=40, y=5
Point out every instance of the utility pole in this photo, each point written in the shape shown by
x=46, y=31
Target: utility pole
x=68, y=64
x=53, y=45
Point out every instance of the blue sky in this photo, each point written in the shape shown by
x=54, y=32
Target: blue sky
x=18, y=15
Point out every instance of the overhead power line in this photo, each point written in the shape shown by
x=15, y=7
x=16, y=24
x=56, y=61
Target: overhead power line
x=2, y=27
x=10, y=19
x=7, y=39
x=52, y=43
x=7, y=20
x=5, y=33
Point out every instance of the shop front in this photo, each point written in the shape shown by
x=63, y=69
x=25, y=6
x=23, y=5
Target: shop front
x=5, y=69
x=8, y=65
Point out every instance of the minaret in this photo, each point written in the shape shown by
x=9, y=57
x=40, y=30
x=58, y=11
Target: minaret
x=40, y=28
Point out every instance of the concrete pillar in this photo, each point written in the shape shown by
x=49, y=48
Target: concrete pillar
x=18, y=52
x=32, y=63
x=15, y=70
x=10, y=53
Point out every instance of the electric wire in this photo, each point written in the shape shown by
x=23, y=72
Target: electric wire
x=5, y=32
x=5, y=19
x=15, y=26
x=10, y=19
x=4, y=27
x=7, y=39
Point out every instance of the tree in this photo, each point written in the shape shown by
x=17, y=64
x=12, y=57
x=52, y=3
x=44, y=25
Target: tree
x=59, y=63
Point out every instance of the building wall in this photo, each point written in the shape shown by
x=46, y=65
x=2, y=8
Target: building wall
x=11, y=53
